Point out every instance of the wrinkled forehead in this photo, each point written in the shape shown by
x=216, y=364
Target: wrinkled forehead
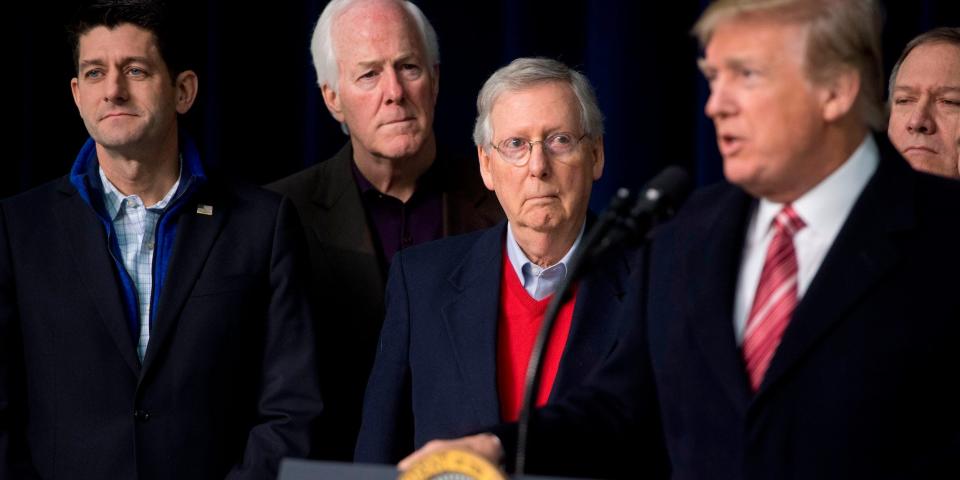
x=545, y=105
x=935, y=62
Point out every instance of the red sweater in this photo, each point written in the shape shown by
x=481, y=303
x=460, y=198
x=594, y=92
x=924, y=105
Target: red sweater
x=519, y=322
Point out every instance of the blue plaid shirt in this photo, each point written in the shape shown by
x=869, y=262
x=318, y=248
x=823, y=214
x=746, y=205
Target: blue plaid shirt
x=136, y=225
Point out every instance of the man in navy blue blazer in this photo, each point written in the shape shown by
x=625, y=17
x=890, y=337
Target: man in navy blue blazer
x=462, y=313
x=153, y=319
x=800, y=321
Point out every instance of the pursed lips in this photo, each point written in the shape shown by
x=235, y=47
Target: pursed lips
x=542, y=197
x=400, y=120
x=117, y=114
x=919, y=148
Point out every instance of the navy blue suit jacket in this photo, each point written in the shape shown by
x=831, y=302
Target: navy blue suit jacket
x=228, y=385
x=863, y=384
x=435, y=371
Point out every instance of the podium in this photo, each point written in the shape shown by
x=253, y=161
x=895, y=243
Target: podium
x=299, y=469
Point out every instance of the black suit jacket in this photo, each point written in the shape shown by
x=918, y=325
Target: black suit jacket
x=348, y=280
x=861, y=385
x=436, y=366
x=228, y=384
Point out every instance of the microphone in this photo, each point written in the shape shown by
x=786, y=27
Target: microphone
x=623, y=223
x=657, y=201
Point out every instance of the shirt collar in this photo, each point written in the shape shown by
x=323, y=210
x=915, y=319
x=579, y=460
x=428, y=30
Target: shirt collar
x=113, y=199
x=425, y=182
x=519, y=260
x=825, y=206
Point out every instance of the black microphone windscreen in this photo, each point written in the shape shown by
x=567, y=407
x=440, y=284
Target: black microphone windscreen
x=673, y=183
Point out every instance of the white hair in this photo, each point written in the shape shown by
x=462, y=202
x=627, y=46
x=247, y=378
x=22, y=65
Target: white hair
x=325, y=56
x=524, y=73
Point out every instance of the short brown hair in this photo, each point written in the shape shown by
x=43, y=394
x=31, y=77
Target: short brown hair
x=841, y=33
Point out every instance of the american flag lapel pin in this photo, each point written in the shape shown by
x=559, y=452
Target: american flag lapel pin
x=204, y=209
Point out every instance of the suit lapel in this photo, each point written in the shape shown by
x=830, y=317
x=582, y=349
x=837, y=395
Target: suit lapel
x=712, y=273
x=341, y=220
x=862, y=253
x=471, y=320
x=594, y=327
x=195, y=236
x=88, y=245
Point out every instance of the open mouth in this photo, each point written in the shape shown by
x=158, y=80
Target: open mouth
x=729, y=144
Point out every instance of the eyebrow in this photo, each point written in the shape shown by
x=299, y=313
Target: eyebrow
x=368, y=64
x=938, y=90
x=375, y=63
x=97, y=62
x=734, y=63
x=407, y=56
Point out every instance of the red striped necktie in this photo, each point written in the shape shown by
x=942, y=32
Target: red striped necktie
x=776, y=297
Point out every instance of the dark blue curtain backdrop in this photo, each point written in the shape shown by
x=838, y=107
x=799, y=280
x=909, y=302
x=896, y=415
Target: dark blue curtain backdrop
x=260, y=116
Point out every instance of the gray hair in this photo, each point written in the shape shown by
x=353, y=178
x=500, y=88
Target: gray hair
x=948, y=35
x=325, y=56
x=524, y=73
x=841, y=34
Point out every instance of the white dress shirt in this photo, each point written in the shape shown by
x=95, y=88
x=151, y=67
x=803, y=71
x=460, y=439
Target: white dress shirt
x=824, y=210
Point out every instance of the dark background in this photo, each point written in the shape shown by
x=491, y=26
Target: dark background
x=260, y=116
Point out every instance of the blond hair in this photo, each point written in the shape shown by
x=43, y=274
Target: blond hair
x=841, y=34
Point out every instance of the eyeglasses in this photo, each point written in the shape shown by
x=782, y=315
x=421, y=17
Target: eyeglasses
x=516, y=150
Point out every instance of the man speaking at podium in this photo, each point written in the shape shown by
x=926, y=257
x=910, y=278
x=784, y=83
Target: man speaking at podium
x=800, y=321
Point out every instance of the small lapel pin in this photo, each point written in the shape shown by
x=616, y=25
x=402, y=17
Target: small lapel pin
x=205, y=209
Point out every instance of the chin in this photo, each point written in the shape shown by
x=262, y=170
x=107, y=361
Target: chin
x=738, y=172
x=543, y=222
x=401, y=148
x=942, y=167
x=117, y=140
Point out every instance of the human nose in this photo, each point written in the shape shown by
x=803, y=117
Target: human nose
x=719, y=103
x=537, y=163
x=393, y=88
x=921, y=120
x=116, y=88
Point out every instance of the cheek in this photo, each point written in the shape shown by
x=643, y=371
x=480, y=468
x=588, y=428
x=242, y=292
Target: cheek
x=893, y=124
x=422, y=90
x=87, y=101
x=511, y=204
x=358, y=105
x=582, y=185
x=506, y=189
x=897, y=130
x=951, y=128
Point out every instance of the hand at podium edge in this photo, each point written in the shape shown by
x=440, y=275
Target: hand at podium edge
x=486, y=445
